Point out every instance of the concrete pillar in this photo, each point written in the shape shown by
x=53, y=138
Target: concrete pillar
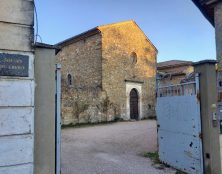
x=17, y=86
x=45, y=109
x=209, y=118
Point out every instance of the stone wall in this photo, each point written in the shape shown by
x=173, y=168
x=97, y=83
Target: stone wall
x=121, y=43
x=184, y=68
x=80, y=100
x=175, y=79
x=101, y=67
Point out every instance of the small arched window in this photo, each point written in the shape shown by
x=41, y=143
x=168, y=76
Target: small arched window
x=69, y=79
x=133, y=58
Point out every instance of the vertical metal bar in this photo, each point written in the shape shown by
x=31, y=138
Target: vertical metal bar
x=157, y=88
x=184, y=90
x=181, y=93
x=157, y=91
x=197, y=88
x=170, y=89
x=177, y=91
x=58, y=119
x=197, y=84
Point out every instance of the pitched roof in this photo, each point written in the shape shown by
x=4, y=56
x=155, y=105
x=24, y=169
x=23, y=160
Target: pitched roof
x=78, y=37
x=97, y=30
x=206, y=7
x=173, y=63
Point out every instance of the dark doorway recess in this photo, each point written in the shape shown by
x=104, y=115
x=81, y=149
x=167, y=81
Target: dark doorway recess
x=134, y=101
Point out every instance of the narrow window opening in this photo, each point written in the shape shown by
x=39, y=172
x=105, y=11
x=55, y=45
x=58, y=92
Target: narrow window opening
x=69, y=80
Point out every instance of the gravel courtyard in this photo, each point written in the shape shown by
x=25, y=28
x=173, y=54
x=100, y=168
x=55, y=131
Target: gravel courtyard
x=110, y=149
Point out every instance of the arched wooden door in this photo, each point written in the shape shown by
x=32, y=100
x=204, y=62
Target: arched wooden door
x=134, y=101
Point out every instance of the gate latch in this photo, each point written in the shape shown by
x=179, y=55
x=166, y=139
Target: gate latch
x=214, y=119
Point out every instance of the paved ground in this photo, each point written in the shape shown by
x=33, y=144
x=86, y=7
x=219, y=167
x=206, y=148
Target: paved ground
x=110, y=149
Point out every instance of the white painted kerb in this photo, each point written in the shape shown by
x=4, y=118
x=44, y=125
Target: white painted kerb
x=129, y=87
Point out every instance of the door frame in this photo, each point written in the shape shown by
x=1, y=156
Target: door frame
x=138, y=87
x=137, y=104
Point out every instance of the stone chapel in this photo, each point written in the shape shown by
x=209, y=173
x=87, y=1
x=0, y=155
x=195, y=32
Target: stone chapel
x=108, y=73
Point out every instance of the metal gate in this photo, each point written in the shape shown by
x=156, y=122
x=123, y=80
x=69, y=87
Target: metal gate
x=179, y=126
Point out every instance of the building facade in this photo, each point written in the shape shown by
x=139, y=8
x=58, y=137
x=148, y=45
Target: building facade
x=174, y=72
x=108, y=73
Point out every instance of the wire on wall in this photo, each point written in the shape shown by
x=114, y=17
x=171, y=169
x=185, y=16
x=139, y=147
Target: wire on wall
x=37, y=25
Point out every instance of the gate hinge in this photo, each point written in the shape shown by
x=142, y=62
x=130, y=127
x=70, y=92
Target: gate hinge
x=198, y=96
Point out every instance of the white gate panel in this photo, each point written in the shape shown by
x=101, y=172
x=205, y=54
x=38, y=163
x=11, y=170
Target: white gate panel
x=181, y=113
x=179, y=130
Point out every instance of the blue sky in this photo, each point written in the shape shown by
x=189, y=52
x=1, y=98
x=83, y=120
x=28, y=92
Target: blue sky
x=176, y=27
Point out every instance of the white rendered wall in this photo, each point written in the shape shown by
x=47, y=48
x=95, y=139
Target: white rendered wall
x=17, y=93
x=17, y=121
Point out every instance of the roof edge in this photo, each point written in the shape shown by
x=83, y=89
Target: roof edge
x=146, y=36
x=188, y=63
x=96, y=30
x=116, y=23
x=44, y=45
x=78, y=37
x=207, y=61
x=134, y=22
x=203, y=10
